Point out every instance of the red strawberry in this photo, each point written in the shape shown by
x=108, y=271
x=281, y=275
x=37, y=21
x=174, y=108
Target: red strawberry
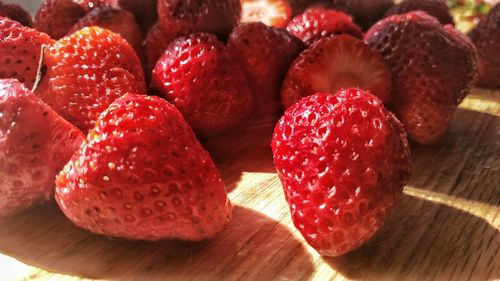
x=486, y=37
x=142, y=174
x=56, y=17
x=35, y=143
x=89, y=5
x=266, y=53
x=17, y=13
x=436, y=8
x=20, y=49
x=365, y=12
x=212, y=16
x=433, y=68
x=319, y=22
x=154, y=45
x=275, y=13
x=343, y=161
x=335, y=63
x=116, y=20
x=299, y=6
x=203, y=79
x=145, y=12
x=86, y=72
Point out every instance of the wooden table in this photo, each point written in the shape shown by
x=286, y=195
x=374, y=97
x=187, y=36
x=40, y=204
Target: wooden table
x=446, y=227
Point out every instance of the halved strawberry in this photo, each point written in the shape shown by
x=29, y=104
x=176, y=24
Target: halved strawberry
x=275, y=13
x=334, y=63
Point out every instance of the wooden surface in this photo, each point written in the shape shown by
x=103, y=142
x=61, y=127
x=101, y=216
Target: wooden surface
x=446, y=227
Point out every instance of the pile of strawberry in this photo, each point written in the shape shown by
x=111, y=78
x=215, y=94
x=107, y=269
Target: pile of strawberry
x=108, y=98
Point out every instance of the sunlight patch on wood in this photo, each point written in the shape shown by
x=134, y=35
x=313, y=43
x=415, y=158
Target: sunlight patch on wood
x=484, y=101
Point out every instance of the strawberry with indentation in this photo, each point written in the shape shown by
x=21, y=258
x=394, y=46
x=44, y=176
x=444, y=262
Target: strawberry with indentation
x=212, y=16
x=275, y=13
x=436, y=8
x=318, y=22
x=365, y=12
x=486, y=38
x=35, y=143
x=433, y=67
x=343, y=161
x=335, y=63
x=87, y=71
x=17, y=13
x=156, y=42
x=204, y=80
x=142, y=174
x=265, y=53
x=20, y=49
x=57, y=17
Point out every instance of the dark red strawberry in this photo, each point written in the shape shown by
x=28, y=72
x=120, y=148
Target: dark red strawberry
x=335, y=63
x=436, y=8
x=145, y=12
x=365, y=12
x=35, y=143
x=20, y=49
x=212, y=16
x=204, y=80
x=17, y=13
x=318, y=22
x=57, y=17
x=116, y=20
x=486, y=37
x=154, y=45
x=266, y=53
x=299, y=6
x=89, y=5
x=275, y=13
x=142, y=174
x=86, y=72
x=343, y=161
x=433, y=68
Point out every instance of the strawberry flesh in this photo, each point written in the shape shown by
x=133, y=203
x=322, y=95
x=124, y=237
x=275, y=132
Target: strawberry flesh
x=275, y=13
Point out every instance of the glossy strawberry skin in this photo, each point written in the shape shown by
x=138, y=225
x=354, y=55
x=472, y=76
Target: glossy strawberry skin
x=17, y=13
x=211, y=16
x=204, y=80
x=156, y=42
x=57, y=17
x=433, y=68
x=343, y=161
x=82, y=81
x=486, y=38
x=20, y=49
x=143, y=175
x=35, y=143
x=318, y=22
x=436, y=8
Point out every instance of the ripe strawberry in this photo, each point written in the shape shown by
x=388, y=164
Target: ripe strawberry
x=87, y=71
x=433, y=68
x=154, y=45
x=266, y=53
x=203, y=79
x=365, y=12
x=35, y=143
x=299, y=6
x=319, y=22
x=20, y=49
x=142, y=174
x=56, y=17
x=335, y=63
x=89, y=5
x=213, y=16
x=275, y=13
x=343, y=161
x=486, y=37
x=436, y=8
x=116, y=20
x=17, y=13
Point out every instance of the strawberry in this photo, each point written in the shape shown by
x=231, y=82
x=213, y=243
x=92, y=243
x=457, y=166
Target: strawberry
x=318, y=22
x=436, y=8
x=154, y=45
x=433, y=68
x=145, y=12
x=35, y=143
x=275, y=13
x=142, y=174
x=203, y=79
x=116, y=20
x=335, y=63
x=20, y=49
x=299, y=6
x=266, y=53
x=17, y=13
x=88, y=70
x=89, y=5
x=365, y=12
x=343, y=161
x=56, y=17
x=486, y=38
x=212, y=16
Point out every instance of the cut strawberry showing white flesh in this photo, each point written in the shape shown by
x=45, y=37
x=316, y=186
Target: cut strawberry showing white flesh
x=275, y=13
